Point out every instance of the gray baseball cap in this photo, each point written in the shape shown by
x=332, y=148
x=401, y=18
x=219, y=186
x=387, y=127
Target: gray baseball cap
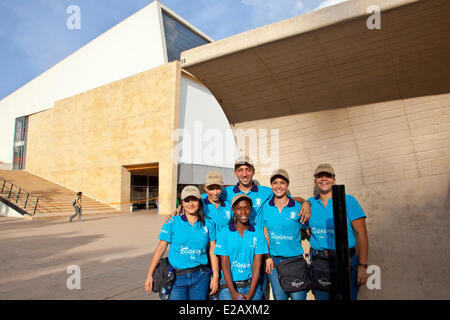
x=242, y=160
x=324, y=167
x=189, y=191
x=239, y=197
x=279, y=172
x=213, y=177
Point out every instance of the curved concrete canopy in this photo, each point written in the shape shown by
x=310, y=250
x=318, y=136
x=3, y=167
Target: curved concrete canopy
x=328, y=59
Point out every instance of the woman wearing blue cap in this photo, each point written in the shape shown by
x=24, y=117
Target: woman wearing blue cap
x=189, y=236
x=322, y=239
x=283, y=231
x=241, y=248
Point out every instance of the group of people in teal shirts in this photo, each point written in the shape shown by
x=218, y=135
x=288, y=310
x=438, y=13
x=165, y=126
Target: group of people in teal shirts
x=229, y=241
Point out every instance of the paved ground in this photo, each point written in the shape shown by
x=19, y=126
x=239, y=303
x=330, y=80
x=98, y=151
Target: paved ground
x=112, y=251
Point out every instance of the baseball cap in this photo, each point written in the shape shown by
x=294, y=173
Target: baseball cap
x=324, y=167
x=189, y=191
x=239, y=197
x=241, y=160
x=279, y=172
x=213, y=177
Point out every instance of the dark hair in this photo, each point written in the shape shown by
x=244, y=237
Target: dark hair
x=278, y=176
x=237, y=165
x=200, y=214
x=241, y=199
x=79, y=193
x=232, y=220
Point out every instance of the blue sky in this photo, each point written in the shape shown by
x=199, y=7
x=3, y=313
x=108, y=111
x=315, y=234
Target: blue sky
x=34, y=36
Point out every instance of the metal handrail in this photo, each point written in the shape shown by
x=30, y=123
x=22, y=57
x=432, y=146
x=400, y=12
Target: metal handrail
x=17, y=196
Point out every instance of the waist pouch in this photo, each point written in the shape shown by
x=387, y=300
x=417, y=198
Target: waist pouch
x=293, y=275
x=323, y=273
x=161, y=275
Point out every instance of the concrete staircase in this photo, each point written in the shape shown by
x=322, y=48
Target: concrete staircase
x=54, y=200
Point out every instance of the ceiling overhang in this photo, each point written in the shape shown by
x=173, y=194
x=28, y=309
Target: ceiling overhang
x=328, y=59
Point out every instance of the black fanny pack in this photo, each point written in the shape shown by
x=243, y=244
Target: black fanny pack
x=323, y=273
x=324, y=270
x=293, y=275
x=161, y=275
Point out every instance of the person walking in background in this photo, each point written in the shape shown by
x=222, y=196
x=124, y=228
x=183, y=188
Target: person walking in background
x=77, y=206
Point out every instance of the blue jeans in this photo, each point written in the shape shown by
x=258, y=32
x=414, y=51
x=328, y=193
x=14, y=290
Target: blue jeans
x=77, y=212
x=277, y=291
x=191, y=286
x=226, y=295
x=324, y=295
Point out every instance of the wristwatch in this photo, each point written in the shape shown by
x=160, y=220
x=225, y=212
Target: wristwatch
x=363, y=265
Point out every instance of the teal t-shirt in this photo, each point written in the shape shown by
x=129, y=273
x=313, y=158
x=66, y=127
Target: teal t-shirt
x=221, y=215
x=284, y=228
x=188, y=243
x=321, y=222
x=258, y=194
x=240, y=250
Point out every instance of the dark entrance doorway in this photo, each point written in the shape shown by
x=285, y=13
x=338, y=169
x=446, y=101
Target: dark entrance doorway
x=144, y=185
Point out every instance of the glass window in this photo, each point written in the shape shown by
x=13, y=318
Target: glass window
x=20, y=140
x=179, y=38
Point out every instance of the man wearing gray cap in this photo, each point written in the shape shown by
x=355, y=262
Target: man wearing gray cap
x=244, y=170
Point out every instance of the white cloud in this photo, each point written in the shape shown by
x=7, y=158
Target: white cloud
x=328, y=3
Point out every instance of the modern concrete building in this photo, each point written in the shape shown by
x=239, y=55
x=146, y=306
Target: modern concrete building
x=119, y=119
x=375, y=103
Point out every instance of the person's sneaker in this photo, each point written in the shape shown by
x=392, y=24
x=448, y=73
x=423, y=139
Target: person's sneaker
x=70, y=220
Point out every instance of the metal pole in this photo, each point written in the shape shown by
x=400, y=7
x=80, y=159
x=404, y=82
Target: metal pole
x=10, y=190
x=18, y=195
x=26, y=201
x=35, y=206
x=343, y=281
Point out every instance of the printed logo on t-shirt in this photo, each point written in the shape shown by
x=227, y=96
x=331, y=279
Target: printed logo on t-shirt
x=293, y=215
x=277, y=238
x=321, y=233
x=241, y=267
x=254, y=241
x=193, y=253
